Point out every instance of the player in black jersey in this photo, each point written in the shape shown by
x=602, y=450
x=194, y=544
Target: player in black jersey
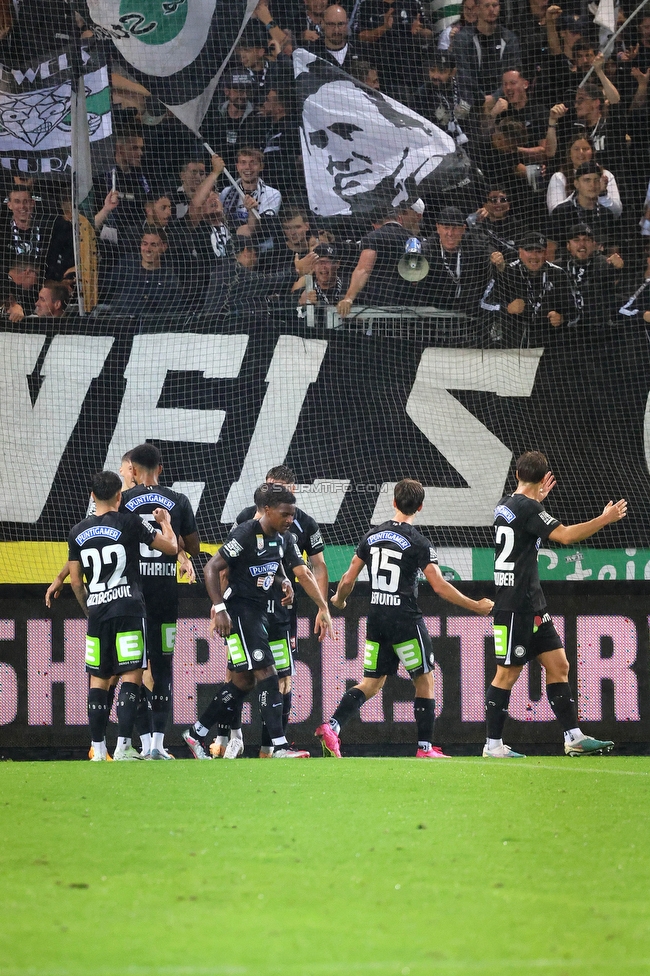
x=523, y=628
x=253, y=558
x=103, y=548
x=394, y=552
x=283, y=624
x=159, y=586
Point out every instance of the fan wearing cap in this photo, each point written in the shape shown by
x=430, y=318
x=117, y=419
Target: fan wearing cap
x=328, y=286
x=595, y=278
x=376, y=277
x=438, y=98
x=459, y=270
x=583, y=207
x=232, y=123
x=536, y=295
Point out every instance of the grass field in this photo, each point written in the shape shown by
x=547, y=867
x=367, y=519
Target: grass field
x=395, y=866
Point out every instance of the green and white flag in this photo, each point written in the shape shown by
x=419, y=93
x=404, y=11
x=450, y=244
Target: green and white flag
x=35, y=118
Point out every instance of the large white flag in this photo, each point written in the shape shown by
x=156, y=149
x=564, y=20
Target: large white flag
x=177, y=49
x=361, y=150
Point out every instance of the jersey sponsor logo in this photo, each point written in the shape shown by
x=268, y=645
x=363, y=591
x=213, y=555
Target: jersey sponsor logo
x=119, y=593
x=264, y=569
x=387, y=536
x=548, y=519
x=504, y=513
x=232, y=548
x=98, y=530
x=158, y=569
x=151, y=498
x=386, y=599
x=504, y=579
x=315, y=540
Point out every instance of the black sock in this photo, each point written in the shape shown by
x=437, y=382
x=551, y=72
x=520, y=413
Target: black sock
x=425, y=715
x=143, y=722
x=286, y=709
x=110, y=699
x=496, y=711
x=349, y=705
x=266, y=738
x=161, y=704
x=563, y=704
x=127, y=706
x=223, y=707
x=270, y=698
x=97, y=713
x=235, y=722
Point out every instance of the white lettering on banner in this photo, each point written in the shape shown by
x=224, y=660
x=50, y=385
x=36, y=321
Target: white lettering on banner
x=522, y=707
x=43, y=430
x=8, y=678
x=43, y=672
x=593, y=668
x=337, y=669
x=473, y=632
x=152, y=357
x=466, y=443
x=300, y=360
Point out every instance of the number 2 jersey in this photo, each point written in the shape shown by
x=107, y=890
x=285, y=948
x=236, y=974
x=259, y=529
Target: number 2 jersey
x=158, y=570
x=394, y=552
x=108, y=548
x=521, y=524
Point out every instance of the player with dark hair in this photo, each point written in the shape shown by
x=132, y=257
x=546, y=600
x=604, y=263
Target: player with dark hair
x=523, y=628
x=253, y=558
x=103, y=548
x=283, y=623
x=394, y=552
x=159, y=584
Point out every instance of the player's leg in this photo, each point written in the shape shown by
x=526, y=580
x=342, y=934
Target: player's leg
x=512, y=636
x=224, y=732
x=280, y=642
x=558, y=690
x=98, y=716
x=415, y=650
x=161, y=648
x=143, y=718
x=130, y=658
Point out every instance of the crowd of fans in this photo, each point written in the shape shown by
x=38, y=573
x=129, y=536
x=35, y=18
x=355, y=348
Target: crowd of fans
x=548, y=237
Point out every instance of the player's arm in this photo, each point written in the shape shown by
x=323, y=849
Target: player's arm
x=358, y=281
x=219, y=618
x=165, y=540
x=55, y=588
x=190, y=543
x=323, y=625
x=566, y=535
x=449, y=593
x=185, y=568
x=319, y=570
x=77, y=583
x=347, y=582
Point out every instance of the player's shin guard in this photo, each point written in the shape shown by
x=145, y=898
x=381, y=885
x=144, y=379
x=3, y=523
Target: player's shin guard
x=286, y=709
x=161, y=703
x=349, y=705
x=143, y=717
x=111, y=698
x=127, y=705
x=97, y=713
x=496, y=711
x=425, y=714
x=266, y=738
x=270, y=698
x=563, y=704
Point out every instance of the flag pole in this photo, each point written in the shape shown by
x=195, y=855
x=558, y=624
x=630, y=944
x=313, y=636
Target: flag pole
x=232, y=181
x=610, y=40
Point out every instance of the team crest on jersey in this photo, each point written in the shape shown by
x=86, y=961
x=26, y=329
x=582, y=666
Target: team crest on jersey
x=260, y=543
x=504, y=513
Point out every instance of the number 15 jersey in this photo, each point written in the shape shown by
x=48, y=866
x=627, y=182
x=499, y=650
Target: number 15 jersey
x=393, y=553
x=521, y=524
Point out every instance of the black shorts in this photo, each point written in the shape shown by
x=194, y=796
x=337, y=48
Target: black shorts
x=519, y=637
x=161, y=638
x=116, y=646
x=405, y=641
x=248, y=641
x=282, y=641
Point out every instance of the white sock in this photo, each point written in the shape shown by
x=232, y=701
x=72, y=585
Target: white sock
x=281, y=743
x=236, y=734
x=145, y=742
x=425, y=746
x=201, y=730
x=99, y=748
x=572, y=735
x=335, y=725
x=494, y=743
x=123, y=742
x=157, y=740
x=221, y=740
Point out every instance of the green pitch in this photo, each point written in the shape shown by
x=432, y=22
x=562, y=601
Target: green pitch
x=310, y=868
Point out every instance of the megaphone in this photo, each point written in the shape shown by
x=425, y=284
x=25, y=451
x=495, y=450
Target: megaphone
x=413, y=266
